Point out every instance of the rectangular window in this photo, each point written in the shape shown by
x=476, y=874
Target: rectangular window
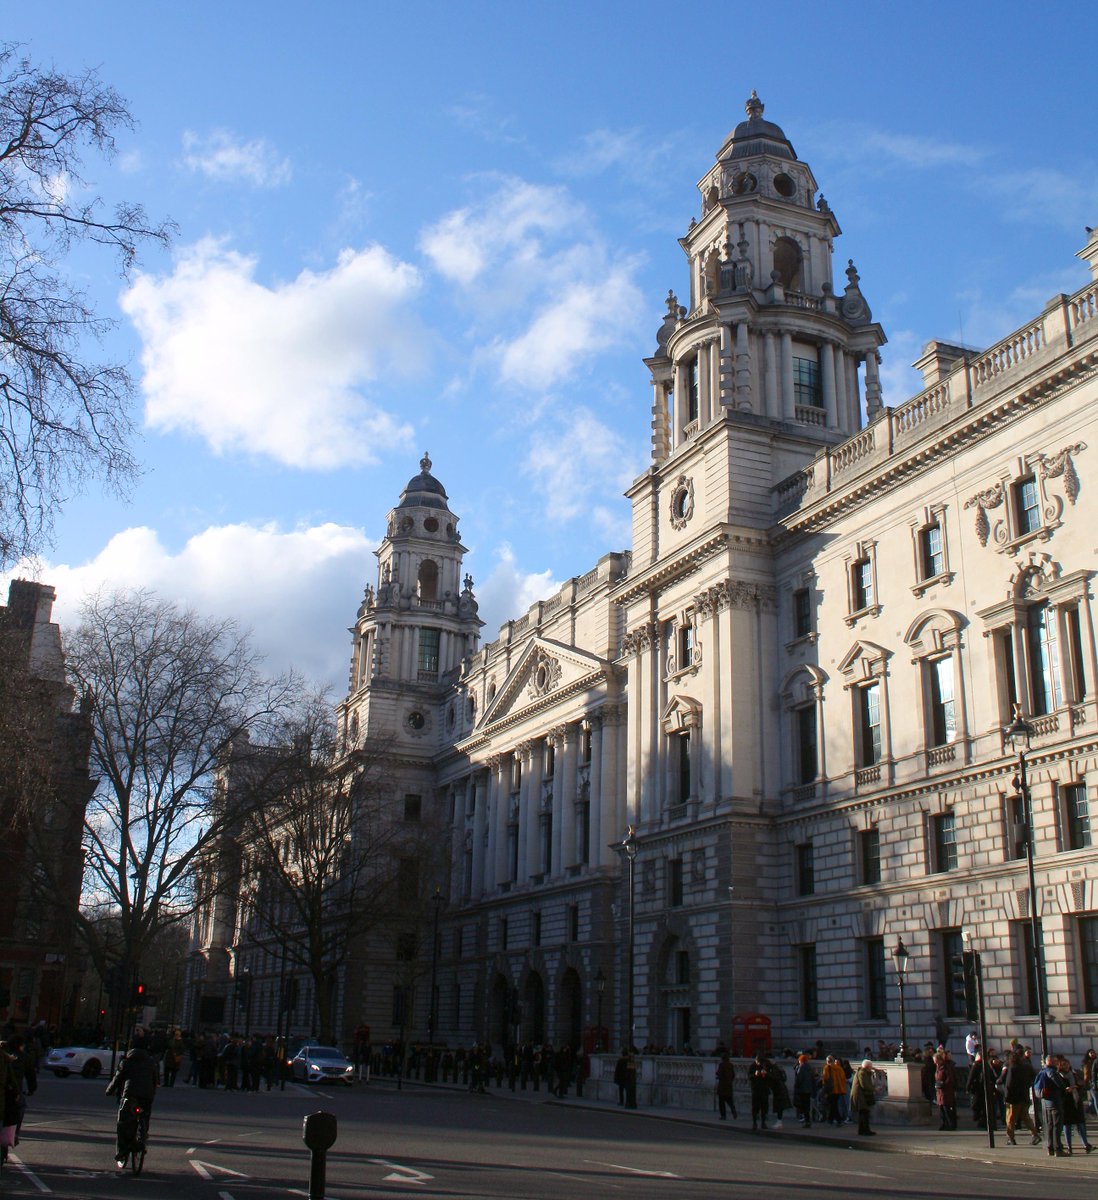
x=810, y=1010
x=1027, y=506
x=943, y=719
x=1016, y=827
x=413, y=807
x=549, y=761
x=876, y=993
x=503, y=932
x=933, y=556
x=861, y=584
x=807, y=392
x=1027, y=967
x=869, y=847
x=682, y=966
x=674, y=882
x=684, y=647
x=406, y=948
x=428, y=651
x=693, y=389
x=1076, y=816
x=1044, y=660
x=869, y=716
x=585, y=745
x=1004, y=656
x=952, y=945
x=535, y=932
x=802, y=613
x=807, y=752
x=1073, y=668
x=683, y=740
x=573, y=922
x=583, y=830
x=1088, y=954
x=806, y=869
x=945, y=842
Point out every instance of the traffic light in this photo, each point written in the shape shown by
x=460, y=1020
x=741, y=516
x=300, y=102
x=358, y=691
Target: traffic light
x=243, y=989
x=139, y=997
x=962, y=978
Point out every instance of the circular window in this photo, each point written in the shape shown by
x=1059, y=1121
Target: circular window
x=784, y=186
x=431, y=525
x=541, y=679
x=416, y=720
x=682, y=502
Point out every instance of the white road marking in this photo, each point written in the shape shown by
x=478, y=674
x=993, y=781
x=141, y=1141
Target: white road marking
x=634, y=1170
x=224, y=1196
x=769, y=1162
x=19, y=1165
x=407, y=1174
x=204, y=1169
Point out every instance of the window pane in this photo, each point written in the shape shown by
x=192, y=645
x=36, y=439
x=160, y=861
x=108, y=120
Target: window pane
x=942, y=708
x=933, y=558
x=802, y=615
x=806, y=743
x=945, y=842
x=871, y=855
x=806, y=870
x=806, y=383
x=876, y=994
x=1088, y=939
x=809, y=1004
x=870, y=701
x=428, y=649
x=1044, y=660
x=1077, y=811
x=1028, y=506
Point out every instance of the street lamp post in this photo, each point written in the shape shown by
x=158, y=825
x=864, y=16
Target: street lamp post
x=600, y=987
x=432, y=1013
x=900, y=958
x=1019, y=733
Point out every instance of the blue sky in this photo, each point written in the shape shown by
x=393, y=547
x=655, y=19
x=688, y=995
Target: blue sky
x=450, y=227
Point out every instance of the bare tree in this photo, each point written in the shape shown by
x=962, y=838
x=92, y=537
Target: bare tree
x=64, y=414
x=317, y=866
x=169, y=694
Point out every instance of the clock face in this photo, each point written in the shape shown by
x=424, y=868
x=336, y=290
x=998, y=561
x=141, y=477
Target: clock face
x=431, y=524
x=416, y=720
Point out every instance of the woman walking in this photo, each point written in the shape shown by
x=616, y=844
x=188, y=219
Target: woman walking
x=945, y=1090
x=863, y=1095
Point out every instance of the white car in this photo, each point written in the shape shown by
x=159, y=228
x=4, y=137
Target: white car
x=322, y=1064
x=81, y=1060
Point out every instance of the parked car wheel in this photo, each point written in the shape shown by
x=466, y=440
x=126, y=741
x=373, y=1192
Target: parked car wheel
x=91, y=1069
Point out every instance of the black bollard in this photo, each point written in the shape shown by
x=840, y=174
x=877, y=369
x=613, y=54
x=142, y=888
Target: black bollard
x=319, y=1134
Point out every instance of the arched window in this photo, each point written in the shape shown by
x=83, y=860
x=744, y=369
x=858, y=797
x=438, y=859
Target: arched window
x=428, y=579
x=788, y=262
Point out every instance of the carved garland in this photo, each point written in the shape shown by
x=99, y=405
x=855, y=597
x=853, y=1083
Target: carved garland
x=1056, y=466
x=682, y=502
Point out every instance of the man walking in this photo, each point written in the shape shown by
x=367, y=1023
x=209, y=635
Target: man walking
x=1048, y=1087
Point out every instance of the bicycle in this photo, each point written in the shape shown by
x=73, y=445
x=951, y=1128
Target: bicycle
x=132, y=1134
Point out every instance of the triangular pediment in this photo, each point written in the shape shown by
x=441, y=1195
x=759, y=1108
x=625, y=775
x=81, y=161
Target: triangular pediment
x=545, y=670
x=864, y=659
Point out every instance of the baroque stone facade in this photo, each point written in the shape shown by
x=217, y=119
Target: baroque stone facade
x=793, y=688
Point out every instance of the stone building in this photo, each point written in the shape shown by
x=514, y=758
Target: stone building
x=45, y=786
x=792, y=690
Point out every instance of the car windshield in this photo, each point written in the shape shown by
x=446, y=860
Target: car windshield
x=323, y=1052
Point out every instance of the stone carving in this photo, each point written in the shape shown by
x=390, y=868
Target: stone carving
x=682, y=502
x=853, y=305
x=1060, y=464
x=545, y=674
x=1045, y=468
x=990, y=497
x=638, y=640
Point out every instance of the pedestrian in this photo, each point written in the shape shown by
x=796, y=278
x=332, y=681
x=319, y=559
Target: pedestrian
x=1090, y=1081
x=22, y=1078
x=758, y=1077
x=804, y=1088
x=726, y=1078
x=974, y=1086
x=1075, y=1106
x=1016, y=1083
x=863, y=1095
x=834, y=1087
x=945, y=1090
x=972, y=1045
x=172, y=1059
x=779, y=1090
x=1049, y=1087
x=621, y=1071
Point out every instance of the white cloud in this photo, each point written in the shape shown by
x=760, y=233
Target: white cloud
x=277, y=370
x=295, y=589
x=508, y=591
x=223, y=157
x=544, y=290
x=574, y=464
x=508, y=225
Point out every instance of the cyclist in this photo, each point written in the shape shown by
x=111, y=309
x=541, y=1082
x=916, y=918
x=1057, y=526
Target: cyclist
x=135, y=1079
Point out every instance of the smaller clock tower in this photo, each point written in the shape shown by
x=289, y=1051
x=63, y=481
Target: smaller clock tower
x=414, y=626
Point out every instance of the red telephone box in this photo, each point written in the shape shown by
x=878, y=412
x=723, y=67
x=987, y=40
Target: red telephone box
x=750, y=1034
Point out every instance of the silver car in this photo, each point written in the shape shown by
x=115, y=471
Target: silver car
x=322, y=1064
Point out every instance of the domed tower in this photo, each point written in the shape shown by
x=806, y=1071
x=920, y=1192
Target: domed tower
x=765, y=353
x=415, y=626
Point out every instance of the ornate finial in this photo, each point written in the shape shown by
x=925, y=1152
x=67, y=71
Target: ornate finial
x=672, y=304
x=754, y=105
x=425, y=463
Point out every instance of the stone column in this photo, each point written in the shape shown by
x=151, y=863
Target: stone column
x=853, y=395
x=479, y=784
x=595, y=796
x=497, y=828
x=789, y=400
x=606, y=817
x=678, y=406
x=744, y=398
x=529, y=811
x=566, y=771
x=841, y=409
x=827, y=379
x=556, y=863
x=713, y=405
x=770, y=360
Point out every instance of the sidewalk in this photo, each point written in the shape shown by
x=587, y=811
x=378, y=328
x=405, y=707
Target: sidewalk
x=965, y=1143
